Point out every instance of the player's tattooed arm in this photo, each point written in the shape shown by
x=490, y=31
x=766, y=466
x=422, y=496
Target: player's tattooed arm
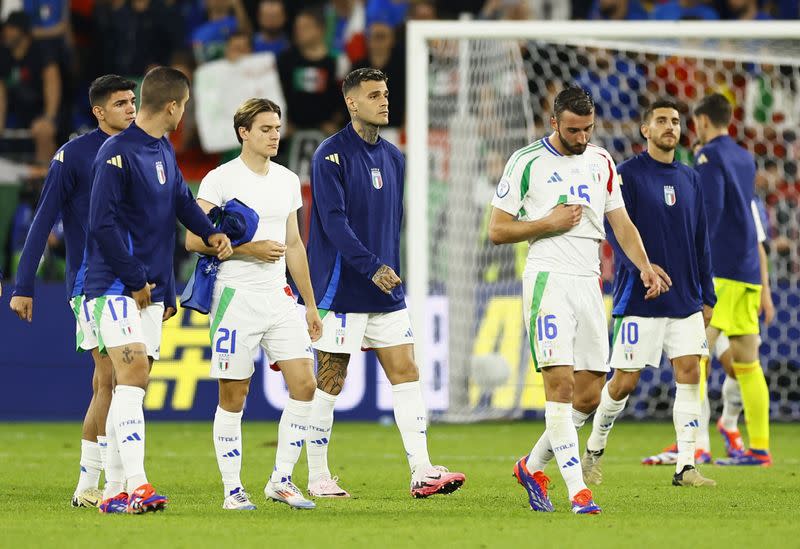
x=331, y=371
x=386, y=279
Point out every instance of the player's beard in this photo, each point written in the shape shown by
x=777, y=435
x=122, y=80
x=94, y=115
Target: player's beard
x=573, y=149
x=664, y=146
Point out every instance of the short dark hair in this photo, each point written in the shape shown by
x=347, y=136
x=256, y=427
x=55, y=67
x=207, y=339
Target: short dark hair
x=575, y=100
x=247, y=112
x=356, y=77
x=102, y=88
x=19, y=20
x=162, y=85
x=316, y=13
x=717, y=108
x=662, y=103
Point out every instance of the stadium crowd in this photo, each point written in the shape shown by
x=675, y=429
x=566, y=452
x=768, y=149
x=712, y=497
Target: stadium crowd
x=298, y=51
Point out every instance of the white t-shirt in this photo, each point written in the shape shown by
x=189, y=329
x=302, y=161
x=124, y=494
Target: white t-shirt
x=537, y=178
x=273, y=197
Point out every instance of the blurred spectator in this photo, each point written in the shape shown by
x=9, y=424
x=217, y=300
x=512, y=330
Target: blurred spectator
x=224, y=18
x=512, y=10
x=745, y=10
x=392, y=12
x=618, y=10
x=271, y=33
x=422, y=10
x=682, y=10
x=346, y=21
x=383, y=54
x=135, y=35
x=50, y=24
x=30, y=86
x=772, y=98
x=308, y=74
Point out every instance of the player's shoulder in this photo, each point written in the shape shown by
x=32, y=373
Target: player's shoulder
x=523, y=156
x=333, y=144
x=283, y=172
x=393, y=150
x=597, y=150
x=82, y=148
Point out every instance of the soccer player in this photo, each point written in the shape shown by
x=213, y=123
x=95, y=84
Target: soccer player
x=354, y=254
x=664, y=200
x=554, y=193
x=137, y=193
x=727, y=173
x=252, y=304
x=66, y=195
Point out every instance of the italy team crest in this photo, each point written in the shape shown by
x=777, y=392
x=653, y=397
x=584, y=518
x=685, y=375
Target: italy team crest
x=377, y=180
x=162, y=174
x=669, y=195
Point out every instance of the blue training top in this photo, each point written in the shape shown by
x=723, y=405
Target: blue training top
x=356, y=215
x=665, y=202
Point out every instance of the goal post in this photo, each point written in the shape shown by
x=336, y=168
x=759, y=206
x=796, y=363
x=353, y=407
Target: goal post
x=437, y=217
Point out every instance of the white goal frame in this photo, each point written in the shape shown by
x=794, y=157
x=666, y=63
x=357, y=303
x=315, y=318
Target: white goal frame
x=417, y=54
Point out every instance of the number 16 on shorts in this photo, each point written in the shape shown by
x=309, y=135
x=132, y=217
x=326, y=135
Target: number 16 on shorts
x=546, y=333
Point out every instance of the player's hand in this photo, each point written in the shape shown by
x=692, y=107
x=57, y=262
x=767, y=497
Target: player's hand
x=268, y=250
x=314, y=323
x=564, y=217
x=708, y=312
x=652, y=282
x=386, y=279
x=169, y=312
x=662, y=274
x=23, y=306
x=142, y=297
x=767, y=307
x=222, y=245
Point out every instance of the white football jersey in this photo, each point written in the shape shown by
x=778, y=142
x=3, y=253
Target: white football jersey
x=537, y=178
x=273, y=197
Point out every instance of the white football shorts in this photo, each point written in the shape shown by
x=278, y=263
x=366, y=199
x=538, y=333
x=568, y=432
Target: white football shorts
x=85, y=338
x=241, y=320
x=639, y=341
x=120, y=322
x=350, y=332
x=566, y=321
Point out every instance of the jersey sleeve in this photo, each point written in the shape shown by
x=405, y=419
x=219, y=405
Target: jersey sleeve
x=108, y=191
x=189, y=212
x=210, y=189
x=508, y=194
x=297, y=195
x=59, y=183
x=760, y=232
x=628, y=193
x=703, y=249
x=328, y=195
x=615, y=198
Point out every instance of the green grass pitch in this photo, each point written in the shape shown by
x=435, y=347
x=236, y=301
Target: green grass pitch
x=640, y=508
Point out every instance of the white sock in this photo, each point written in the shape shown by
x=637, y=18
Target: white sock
x=320, y=424
x=115, y=475
x=686, y=418
x=564, y=438
x=90, y=466
x=292, y=431
x=607, y=413
x=703, y=442
x=102, y=446
x=731, y=404
x=411, y=417
x=228, y=446
x=127, y=406
x=542, y=452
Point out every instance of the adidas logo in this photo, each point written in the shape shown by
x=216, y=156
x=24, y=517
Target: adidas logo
x=606, y=425
x=572, y=462
x=59, y=156
x=115, y=161
x=333, y=158
x=409, y=333
x=319, y=442
x=298, y=443
x=555, y=178
x=132, y=438
x=232, y=454
x=693, y=423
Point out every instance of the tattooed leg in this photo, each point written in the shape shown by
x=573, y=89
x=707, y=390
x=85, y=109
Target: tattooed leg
x=331, y=371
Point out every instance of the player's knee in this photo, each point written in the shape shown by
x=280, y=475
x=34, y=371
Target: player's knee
x=304, y=389
x=405, y=372
x=232, y=396
x=622, y=384
x=586, y=402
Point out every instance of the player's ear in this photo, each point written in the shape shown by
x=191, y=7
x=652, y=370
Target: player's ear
x=98, y=112
x=554, y=123
x=242, y=132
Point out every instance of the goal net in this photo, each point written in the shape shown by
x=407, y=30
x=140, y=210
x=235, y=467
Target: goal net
x=487, y=89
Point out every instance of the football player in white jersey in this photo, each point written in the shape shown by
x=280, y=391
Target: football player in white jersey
x=253, y=306
x=554, y=193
